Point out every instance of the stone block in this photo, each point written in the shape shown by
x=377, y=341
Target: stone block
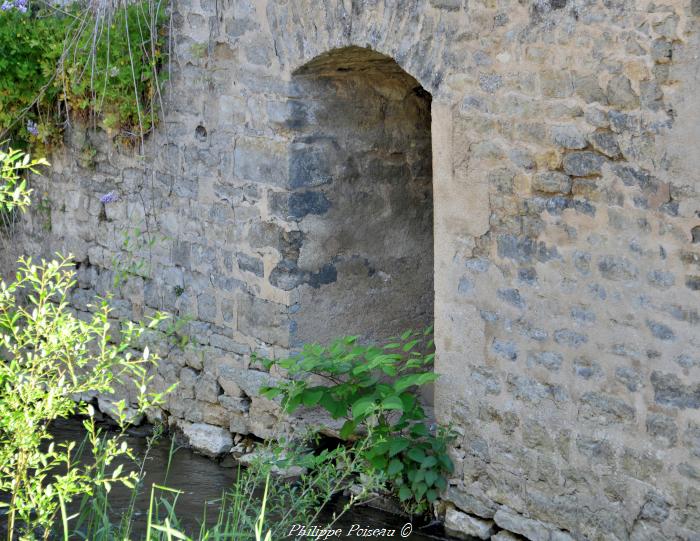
x=691, y=438
x=264, y=320
x=505, y=536
x=262, y=160
x=570, y=338
x=569, y=136
x=531, y=529
x=587, y=87
x=188, y=379
x=209, y=440
x=669, y=390
x=620, y=93
x=551, y=360
x=605, y=142
x=471, y=500
x=486, y=379
x=618, y=269
x=297, y=205
x=660, y=330
x=236, y=405
x=248, y=263
x=583, y=163
x=207, y=388
x=464, y=526
x=605, y=409
x=552, y=182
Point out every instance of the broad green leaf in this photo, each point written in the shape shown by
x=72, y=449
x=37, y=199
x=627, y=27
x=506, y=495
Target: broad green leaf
x=392, y=402
x=363, y=407
x=348, y=429
x=311, y=397
x=379, y=462
x=397, y=445
x=419, y=430
x=416, y=454
x=395, y=466
x=429, y=462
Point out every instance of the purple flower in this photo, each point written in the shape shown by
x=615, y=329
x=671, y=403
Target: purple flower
x=19, y=5
x=32, y=128
x=110, y=197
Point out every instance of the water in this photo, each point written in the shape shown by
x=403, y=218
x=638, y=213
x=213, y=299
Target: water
x=203, y=480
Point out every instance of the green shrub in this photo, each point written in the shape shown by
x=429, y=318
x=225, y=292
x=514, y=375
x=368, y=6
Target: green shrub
x=49, y=358
x=375, y=389
x=79, y=63
x=14, y=193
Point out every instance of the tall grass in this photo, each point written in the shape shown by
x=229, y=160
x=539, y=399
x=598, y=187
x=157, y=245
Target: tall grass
x=241, y=513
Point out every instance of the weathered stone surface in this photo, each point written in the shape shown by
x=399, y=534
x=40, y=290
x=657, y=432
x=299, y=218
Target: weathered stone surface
x=549, y=359
x=504, y=536
x=207, y=389
x=606, y=409
x=569, y=136
x=670, y=391
x=618, y=269
x=620, y=93
x=552, y=182
x=583, y=164
x=605, y=142
x=289, y=185
x=471, y=501
x=516, y=523
x=208, y=440
x=464, y=526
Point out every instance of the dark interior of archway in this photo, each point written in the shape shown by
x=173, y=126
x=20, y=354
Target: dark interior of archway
x=362, y=149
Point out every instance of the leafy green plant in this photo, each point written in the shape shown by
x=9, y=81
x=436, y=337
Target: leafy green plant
x=375, y=389
x=291, y=501
x=14, y=192
x=49, y=358
x=32, y=47
x=75, y=61
x=131, y=260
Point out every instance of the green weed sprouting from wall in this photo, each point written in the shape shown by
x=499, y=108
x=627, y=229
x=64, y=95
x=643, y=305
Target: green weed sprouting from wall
x=375, y=389
x=83, y=62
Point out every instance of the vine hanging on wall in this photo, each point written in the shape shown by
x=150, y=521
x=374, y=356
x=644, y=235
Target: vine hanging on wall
x=99, y=63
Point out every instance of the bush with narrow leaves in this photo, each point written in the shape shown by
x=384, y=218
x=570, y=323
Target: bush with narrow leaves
x=49, y=357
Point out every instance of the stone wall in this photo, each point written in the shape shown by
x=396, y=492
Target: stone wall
x=566, y=199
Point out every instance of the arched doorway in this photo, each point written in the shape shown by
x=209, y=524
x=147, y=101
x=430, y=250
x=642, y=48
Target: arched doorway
x=361, y=180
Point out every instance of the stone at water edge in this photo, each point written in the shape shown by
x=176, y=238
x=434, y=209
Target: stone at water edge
x=209, y=440
x=505, y=536
x=514, y=522
x=463, y=526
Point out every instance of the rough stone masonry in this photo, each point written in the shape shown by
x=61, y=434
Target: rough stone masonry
x=527, y=172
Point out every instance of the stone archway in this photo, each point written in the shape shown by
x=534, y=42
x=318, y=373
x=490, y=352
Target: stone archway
x=361, y=181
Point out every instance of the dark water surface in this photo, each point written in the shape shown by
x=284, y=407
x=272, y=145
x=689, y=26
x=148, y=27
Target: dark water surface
x=203, y=480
